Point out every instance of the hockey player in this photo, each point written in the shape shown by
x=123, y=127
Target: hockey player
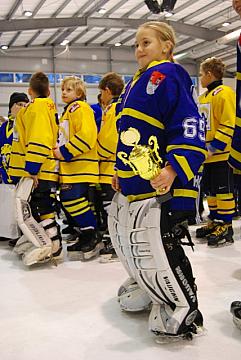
x=77, y=151
x=217, y=105
x=157, y=107
x=111, y=86
x=34, y=137
x=235, y=153
x=16, y=102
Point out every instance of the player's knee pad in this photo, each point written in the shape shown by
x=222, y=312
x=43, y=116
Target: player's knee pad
x=33, y=231
x=155, y=270
x=117, y=225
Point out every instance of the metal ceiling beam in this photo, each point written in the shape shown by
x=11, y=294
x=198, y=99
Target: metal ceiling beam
x=202, y=10
x=116, y=35
x=93, y=8
x=13, y=9
x=14, y=38
x=95, y=36
x=125, y=23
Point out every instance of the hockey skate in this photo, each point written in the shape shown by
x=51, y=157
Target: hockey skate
x=108, y=253
x=221, y=236
x=236, y=312
x=87, y=247
x=205, y=230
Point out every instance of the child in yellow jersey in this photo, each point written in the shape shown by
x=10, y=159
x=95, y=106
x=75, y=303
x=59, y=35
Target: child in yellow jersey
x=34, y=136
x=217, y=105
x=111, y=86
x=77, y=151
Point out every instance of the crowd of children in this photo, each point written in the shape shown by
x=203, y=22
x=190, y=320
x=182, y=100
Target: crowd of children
x=67, y=156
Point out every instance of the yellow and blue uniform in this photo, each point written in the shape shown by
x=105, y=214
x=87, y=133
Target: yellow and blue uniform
x=217, y=105
x=34, y=137
x=235, y=152
x=6, y=138
x=107, y=143
x=78, y=146
x=218, y=108
x=159, y=102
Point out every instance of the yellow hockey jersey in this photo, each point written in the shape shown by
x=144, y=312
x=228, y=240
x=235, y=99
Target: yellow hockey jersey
x=34, y=137
x=218, y=109
x=78, y=144
x=106, y=145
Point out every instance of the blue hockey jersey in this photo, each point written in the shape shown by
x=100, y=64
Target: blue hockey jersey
x=159, y=102
x=235, y=152
x=6, y=139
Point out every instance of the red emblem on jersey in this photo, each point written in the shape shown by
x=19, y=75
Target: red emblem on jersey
x=74, y=107
x=157, y=77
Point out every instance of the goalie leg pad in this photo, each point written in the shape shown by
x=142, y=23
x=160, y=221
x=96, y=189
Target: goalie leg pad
x=163, y=277
x=44, y=254
x=117, y=220
x=134, y=299
x=22, y=245
x=33, y=231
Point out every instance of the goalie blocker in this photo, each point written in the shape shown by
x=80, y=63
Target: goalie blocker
x=157, y=262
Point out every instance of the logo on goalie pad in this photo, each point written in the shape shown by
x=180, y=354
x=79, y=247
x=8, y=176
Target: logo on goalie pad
x=186, y=284
x=170, y=288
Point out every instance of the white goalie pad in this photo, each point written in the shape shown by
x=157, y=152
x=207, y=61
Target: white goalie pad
x=134, y=299
x=117, y=220
x=8, y=223
x=32, y=230
x=141, y=246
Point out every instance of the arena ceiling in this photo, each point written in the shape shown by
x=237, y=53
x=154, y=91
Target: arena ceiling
x=198, y=25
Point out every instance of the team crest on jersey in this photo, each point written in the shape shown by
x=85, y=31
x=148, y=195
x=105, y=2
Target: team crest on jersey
x=239, y=43
x=217, y=91
x=74, y=107
x=155, y=80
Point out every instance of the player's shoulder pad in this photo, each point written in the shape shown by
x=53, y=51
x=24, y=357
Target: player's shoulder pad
x=217, y=91
x=74, y=107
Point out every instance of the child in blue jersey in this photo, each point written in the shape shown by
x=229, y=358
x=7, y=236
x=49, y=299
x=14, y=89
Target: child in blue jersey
x=235, y=153
x=77, y=151
x=16, y=102
x=158, y=104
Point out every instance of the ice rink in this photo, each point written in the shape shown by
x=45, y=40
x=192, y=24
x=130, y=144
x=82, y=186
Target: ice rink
x=71, y=312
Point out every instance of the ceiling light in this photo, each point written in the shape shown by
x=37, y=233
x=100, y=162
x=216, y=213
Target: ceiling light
x=27, y=13
x=118, y=44
x=4, y=47
x=226, y=23
x=64, y=42
x=102, y=10
x=180, y=56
